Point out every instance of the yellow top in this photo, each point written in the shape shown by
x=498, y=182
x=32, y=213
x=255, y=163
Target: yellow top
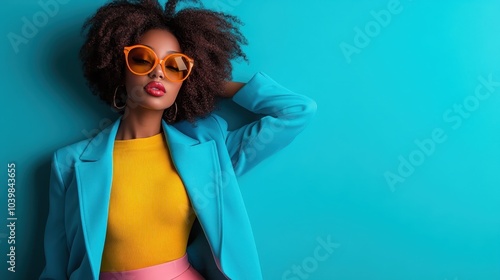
x=150, y=215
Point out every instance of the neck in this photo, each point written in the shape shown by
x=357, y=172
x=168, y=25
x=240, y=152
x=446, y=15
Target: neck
x=139, y=123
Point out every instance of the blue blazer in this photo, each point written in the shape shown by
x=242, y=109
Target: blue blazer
x=208, y=158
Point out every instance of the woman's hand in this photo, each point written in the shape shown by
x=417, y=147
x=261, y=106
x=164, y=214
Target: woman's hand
x=230, y=88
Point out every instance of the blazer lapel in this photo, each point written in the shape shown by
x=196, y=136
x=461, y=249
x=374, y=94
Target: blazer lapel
x=199, y=168
x=94, y=177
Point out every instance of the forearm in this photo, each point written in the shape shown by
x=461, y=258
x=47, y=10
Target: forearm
x=264, y=96
x=284, y=114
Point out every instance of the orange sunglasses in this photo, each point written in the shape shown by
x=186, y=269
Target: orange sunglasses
x=141, y=60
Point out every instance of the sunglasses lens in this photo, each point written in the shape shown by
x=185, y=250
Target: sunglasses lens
x=140, y=60
x=177, y=67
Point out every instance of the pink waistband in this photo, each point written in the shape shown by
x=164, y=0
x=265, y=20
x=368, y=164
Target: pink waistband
x=168, y=270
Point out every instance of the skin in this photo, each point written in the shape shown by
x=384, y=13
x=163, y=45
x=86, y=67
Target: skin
x=143, y=112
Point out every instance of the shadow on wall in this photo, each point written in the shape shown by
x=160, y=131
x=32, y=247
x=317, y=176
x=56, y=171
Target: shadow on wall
x=40, y=183
x=58, y=53
x=59, y=56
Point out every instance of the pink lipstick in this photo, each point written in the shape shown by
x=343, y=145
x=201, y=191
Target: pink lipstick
x=155, y=89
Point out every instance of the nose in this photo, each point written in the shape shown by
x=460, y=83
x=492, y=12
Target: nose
x=157, y=72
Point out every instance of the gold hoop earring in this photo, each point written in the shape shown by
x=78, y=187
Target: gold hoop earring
x=175, y=114
x=114, y=100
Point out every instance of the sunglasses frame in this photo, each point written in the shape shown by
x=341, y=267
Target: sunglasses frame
x=126, y=51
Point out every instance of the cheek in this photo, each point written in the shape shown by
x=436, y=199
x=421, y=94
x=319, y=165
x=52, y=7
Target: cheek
x=174, y=88
x=135, y=86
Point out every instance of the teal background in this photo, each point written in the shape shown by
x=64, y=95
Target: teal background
x=440, y=223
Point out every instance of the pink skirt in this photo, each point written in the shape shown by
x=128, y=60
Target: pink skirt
x=179, y=269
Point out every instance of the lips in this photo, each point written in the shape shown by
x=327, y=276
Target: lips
x=155, y=89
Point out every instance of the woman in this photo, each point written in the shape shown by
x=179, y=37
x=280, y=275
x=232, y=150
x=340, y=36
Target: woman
x=155, y=195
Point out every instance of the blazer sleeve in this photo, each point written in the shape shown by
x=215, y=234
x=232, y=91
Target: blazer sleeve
x=56, y=250
x=284, y=115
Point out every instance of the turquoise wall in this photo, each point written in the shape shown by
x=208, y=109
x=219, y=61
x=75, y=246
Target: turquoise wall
x=396, y=178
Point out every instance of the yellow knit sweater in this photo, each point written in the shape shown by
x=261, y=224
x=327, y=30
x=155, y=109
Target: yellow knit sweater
x=150, y=215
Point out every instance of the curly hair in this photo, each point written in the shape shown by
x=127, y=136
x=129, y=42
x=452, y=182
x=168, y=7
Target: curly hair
x=211, y=38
